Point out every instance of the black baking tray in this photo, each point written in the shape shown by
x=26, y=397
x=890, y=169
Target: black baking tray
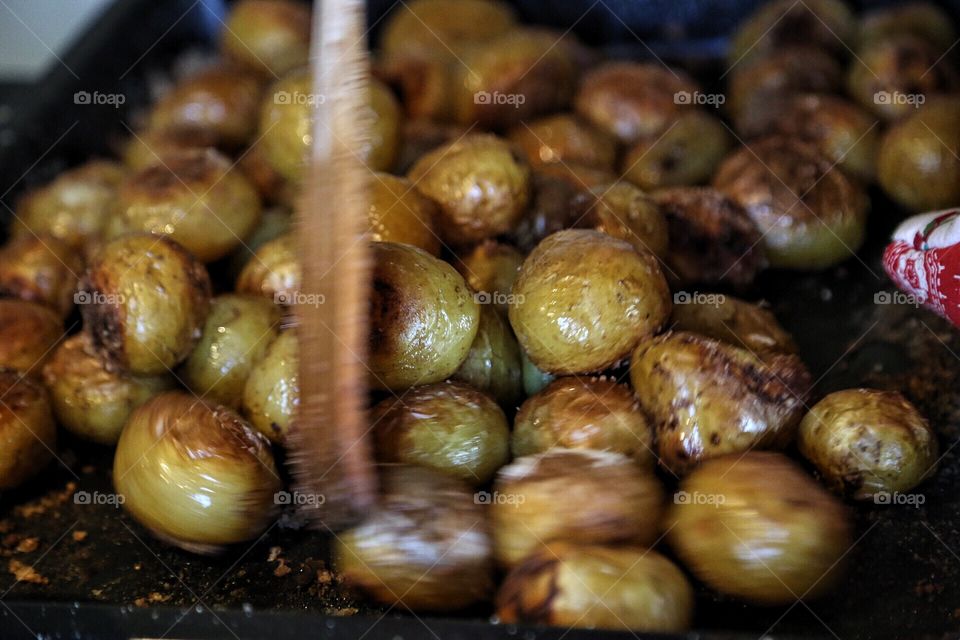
x=98, y=574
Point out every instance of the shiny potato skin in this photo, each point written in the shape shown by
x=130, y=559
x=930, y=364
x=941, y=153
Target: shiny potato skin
x=734, y=321
x=449, y=427
x=812, y=216
x=564, y=138
x=708, y=398
x=758, y=528
x=864, y=442
x=712, y=238
x=584, y=299
x=584, y=413
x=625, y=212
x=433, y=26
x=40, y=268
x=493, y=363
x=574, y=495
x=273, y=272
x=270, y=37
x=491, y=268
x=923, y=20
x=28, y=334
x=235, y=336
x=144, y=300
x=481, y=186
x=426, y=546
x=286, y=130
x=152, y=146
x=827, y=25
x=28, y=434
x=382, y=148
x=398, y=213
x=88, y=399
x=196, y=197
x=597, y=587
x=271, y=394
x=423, y=318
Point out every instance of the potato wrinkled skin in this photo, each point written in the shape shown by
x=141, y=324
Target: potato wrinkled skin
x=424, y=318
x=195, y=197
x=286, y=130
x=734, y=321
x=28, y=334
x=235, y=336
x=708, y=398
x=584, y=299
x=398, y=213
x=625, y=212
x=432, y=26
x=91, y=401
x=597, y=587
x=381, y=147
x=152, y=146
x=827, y=25
x=865, y=442
x=144, y=300
x=493, y=363
x=480, y=185
x=449, y=427
x=491, y=268
x=41, y=269
x=271, y=394
x=923, y=20
x=584, y=413
x=758, y=528
x=273, y=272
x=268, y=36
x=426, y=546
x=195, y=474
x=28, y=433
x=574, y=495
x=564, y=138
x=712, y=238
x=811, y=216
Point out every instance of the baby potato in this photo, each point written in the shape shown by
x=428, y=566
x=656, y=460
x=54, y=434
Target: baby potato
x=578, y=176
x=418, y=137
x=382, y=146
x=28, y=333
x=423, y=318
x=491, y=269
x=144, y=300
x=90, y=400
x=222, y=100
x=274, y=223
x=272, y=187
x=28, y=434
x=708, y=398
x=534, y=379
x=734, y=321
x=573, y=495
x=827, y=25
x=74, y=207
x=493, y=362
x=584, y=299
x=685, y=154
x=40, y=268
x=235, y=336
x=866, y=442
x=422, y=79
x=564, y=138
x=449, y=427
x=625, y=212
x=398, y=213
x=584, y=413
x=271, y=394
x=273, y=272
x=758, y=528
x=811, y=216
x=712, y=238
x=152, y=146
x=286, y=127
x=426, y=546
x=267, y=36
x=480, y=185
x=195, y=197
x=597, y=587
x=433, y=26
x=923, y=20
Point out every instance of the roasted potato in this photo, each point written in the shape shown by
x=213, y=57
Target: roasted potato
x=625, y=212
x=271, y=394
x=40, y=268
x=381, y=147
x=152, y=146
x=422, y=79
x=274, y=223
x=28, y=434
x=564, y=138
x=734, y=321
x=433, y=26
x=268, y=36
x=827, y=25
x=273, y=272
x=493, y=362
x=398, y=213
x=923, y=20
x=551, y=208
x=28, y=334
x=286, y=128
x=490, y=270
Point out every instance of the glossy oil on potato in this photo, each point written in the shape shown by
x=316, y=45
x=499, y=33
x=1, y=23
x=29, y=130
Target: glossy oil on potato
x=398, y=213
x=40, y=268
x=273, y=271
x=493, y=364
x=622, y=211
x=28, y=334
x=153, y=146
x=271, y=394
x=28, y=434
x=564, y=138
x=490, y=269
x=268, y=36
x=285, y=126
x=734, y=321
x=584, y=299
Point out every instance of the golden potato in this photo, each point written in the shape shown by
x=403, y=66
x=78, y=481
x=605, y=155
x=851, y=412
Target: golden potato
x=28, y=334
x=40, y=268
x=625, y=212
x=398, y=213
x=273, y=271
x=271, y=394
x=564, y=138
x=493, y=363
x=152, y=146
x=827, y=25
x=434, y=26
x=491, y=269
x=272, y=187
x=268, y=36
x=734, y=321
x=286, y=127
x=28, y=434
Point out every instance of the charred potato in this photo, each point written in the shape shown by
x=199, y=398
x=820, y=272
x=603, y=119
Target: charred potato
x=398, y=213
x=271, y=394
x=28, y=334
x=268, y=36
x=737, y=322
x=822, y=24
x=493, y=363
x=490, y=270
x=40, y=268
x=28, y=434
x=273, y=272
x=625, y=212
x=564, y=138
x=433, y=26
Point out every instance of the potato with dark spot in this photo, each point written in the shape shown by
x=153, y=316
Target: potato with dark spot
x=625, y=212
x=268, y=36
x=866, y=442
x=828, y=25
x=758, y=528
x=584, y=299
x=28, y=334
x=437, y=25
x=40, y=269
x=271, y=394
x=734, y=321
x=923, y=20
x=493, y=363
x=398, y=213
x=423, y=318
x=564, y=138
x=708, y=398
x=491, y=269
x=28, y=434
x=273, y=271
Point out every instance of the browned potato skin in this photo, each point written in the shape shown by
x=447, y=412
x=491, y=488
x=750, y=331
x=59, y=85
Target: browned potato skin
x=578, y=176
x=273, y=272
x=827, y=25
x=708, y=398
x=480, y=185
x=584, y=299
x=398, y=213
x=625, y=212
x=734, y=321
x=584, y=413
x=268, y=36
x=574, y=495
x=491, y=268
x=28, y=434
x=564, y=138
x=433, y=26
x=776, y=535
x=195, y=197
x=864, y=442
x=40, y=269
x=426, y=547
x=597, y=587
x=493, y=364
x=424, y=318
x=28, y=334
x=152, y=146
x=423, y=80
x=712, y=238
